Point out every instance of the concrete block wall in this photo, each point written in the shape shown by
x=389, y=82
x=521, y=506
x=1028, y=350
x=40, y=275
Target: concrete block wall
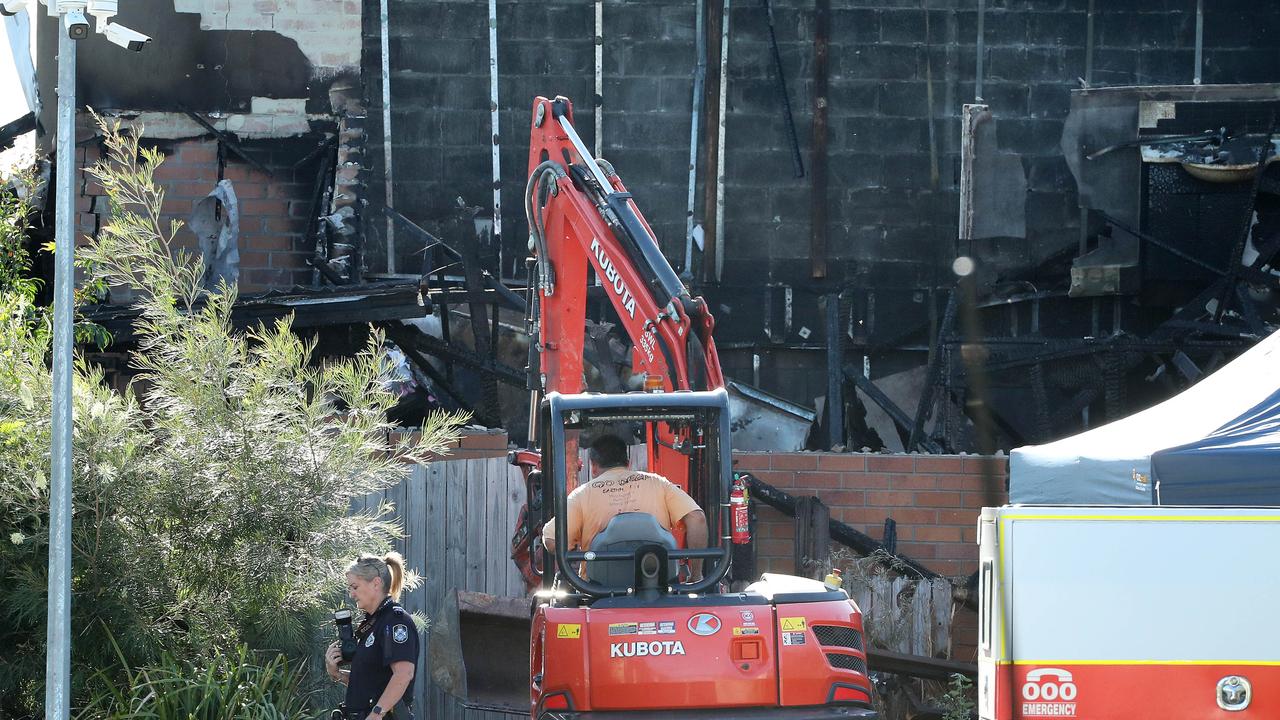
x=273, y=210
x=899, y=74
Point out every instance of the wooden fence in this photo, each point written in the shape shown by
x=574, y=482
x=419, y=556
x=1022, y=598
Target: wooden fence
x=458, y=516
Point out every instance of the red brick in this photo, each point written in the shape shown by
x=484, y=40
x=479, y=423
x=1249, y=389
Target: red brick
x=958, y=551
x=187, y=189
x=866, y=481
x=842, y=498
x=255, y=260
x=239, y=172
x=958, y=517
x=985, y=465
x=959, y=482
x=912, y=482
x=969, y=534
x=886, y=498
x=891, y=463
x=867, y=515
x=197, y=153
x=284, y=225
x=287, y=190
x=843, y=462
x=271, y=242
x=750, y=461
x=918, y=550
x=251, y=191
x=913, y=516
x=795, y=461
x=938, y=499
x=818, y=480
x=262, y=207
x=775, y=548
x=777, y=478
x=940, y=464
x=782, y=531
x=290, y=260
x=944, y=533
x=984, y=499
x=950, y=568
x=476, y=441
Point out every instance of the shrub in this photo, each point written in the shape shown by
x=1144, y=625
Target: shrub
x=210, y=509
x=232, y=687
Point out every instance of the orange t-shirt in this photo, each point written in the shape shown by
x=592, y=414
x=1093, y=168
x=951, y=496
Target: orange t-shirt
x=619, y=490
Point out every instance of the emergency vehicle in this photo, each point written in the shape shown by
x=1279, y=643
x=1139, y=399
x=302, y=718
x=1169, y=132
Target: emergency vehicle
x=1102, y=613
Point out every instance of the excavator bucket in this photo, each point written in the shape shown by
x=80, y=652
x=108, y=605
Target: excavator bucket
x=479, y=650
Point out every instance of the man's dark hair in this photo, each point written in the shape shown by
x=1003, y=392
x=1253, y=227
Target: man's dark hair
x=609, y=451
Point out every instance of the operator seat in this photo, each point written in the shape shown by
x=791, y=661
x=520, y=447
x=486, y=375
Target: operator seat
x=624, y=533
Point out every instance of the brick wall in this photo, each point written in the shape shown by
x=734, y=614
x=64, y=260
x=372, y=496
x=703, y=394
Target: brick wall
x=273, y=210
x=934, y=499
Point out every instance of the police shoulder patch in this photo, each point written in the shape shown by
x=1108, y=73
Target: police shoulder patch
x=368, y=642
x=400, y=634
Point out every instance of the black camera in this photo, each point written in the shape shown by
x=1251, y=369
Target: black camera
x=346, y=635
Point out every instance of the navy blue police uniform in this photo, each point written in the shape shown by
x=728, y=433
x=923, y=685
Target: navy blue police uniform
x=385, y=637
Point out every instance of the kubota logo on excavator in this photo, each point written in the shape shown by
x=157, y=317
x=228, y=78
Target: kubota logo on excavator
x=613, y=279
x=645, y=649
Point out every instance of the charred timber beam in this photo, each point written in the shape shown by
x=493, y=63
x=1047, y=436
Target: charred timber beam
x=860, y=542
x=918, y=665
x=229, y=142
x=512, y=299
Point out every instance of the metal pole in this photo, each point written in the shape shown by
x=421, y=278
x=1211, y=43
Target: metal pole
x=724, y=88
x=835, y=374
x=699, y=78
x=981, y=49
x=599, y=98
x=385, y=20
x=1199, y=41
x=493, y=122
x=58, y=659
x=1088, y=47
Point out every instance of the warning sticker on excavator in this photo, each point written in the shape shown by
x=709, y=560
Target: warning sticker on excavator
x=746, y=631
x=572, y=631
x=624, y=628
x=793, y=624
x=793, y=638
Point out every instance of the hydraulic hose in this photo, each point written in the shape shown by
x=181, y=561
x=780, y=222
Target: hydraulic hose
x=533, y=214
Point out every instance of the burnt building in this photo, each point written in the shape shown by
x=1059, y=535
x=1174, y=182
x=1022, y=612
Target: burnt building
x=1033, y=214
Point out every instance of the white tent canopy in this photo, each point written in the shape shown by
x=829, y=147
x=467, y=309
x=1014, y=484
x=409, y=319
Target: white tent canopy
x=1112, y=464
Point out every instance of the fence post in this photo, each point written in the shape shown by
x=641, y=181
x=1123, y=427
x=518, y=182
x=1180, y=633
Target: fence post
x=813, y=537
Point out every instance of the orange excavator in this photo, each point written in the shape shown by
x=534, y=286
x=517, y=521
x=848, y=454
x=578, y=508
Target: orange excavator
x=620, y=629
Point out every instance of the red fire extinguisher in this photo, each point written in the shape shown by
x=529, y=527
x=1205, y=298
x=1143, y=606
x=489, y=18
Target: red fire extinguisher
x=738, y=515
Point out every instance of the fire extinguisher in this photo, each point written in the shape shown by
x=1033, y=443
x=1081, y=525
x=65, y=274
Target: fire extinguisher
x=738, y=515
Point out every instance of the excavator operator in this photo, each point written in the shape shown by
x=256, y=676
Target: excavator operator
x=615, y=488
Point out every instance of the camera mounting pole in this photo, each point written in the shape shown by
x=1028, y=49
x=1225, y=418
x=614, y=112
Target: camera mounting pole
x=73, y=26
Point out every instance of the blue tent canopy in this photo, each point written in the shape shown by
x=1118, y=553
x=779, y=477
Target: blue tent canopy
x=1237, y=464
x=1224, y=416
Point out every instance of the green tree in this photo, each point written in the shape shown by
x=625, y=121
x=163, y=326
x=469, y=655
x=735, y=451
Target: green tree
x=210, y=508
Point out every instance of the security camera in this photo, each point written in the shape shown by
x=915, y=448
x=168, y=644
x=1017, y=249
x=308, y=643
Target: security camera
x=102, y=11
x=76, y=23
x=127, y=38
x=9, y=8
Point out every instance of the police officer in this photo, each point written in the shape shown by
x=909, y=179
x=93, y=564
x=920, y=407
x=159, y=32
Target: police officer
x=380, y=681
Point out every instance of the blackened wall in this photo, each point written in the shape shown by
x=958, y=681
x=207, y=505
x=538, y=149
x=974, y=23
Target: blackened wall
x=889, y=129
x=899, y=72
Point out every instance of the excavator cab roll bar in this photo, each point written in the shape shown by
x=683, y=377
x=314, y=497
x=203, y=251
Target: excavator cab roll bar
x=705, y=415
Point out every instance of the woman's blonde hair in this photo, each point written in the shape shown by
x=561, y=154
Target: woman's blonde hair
x=389, y=568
